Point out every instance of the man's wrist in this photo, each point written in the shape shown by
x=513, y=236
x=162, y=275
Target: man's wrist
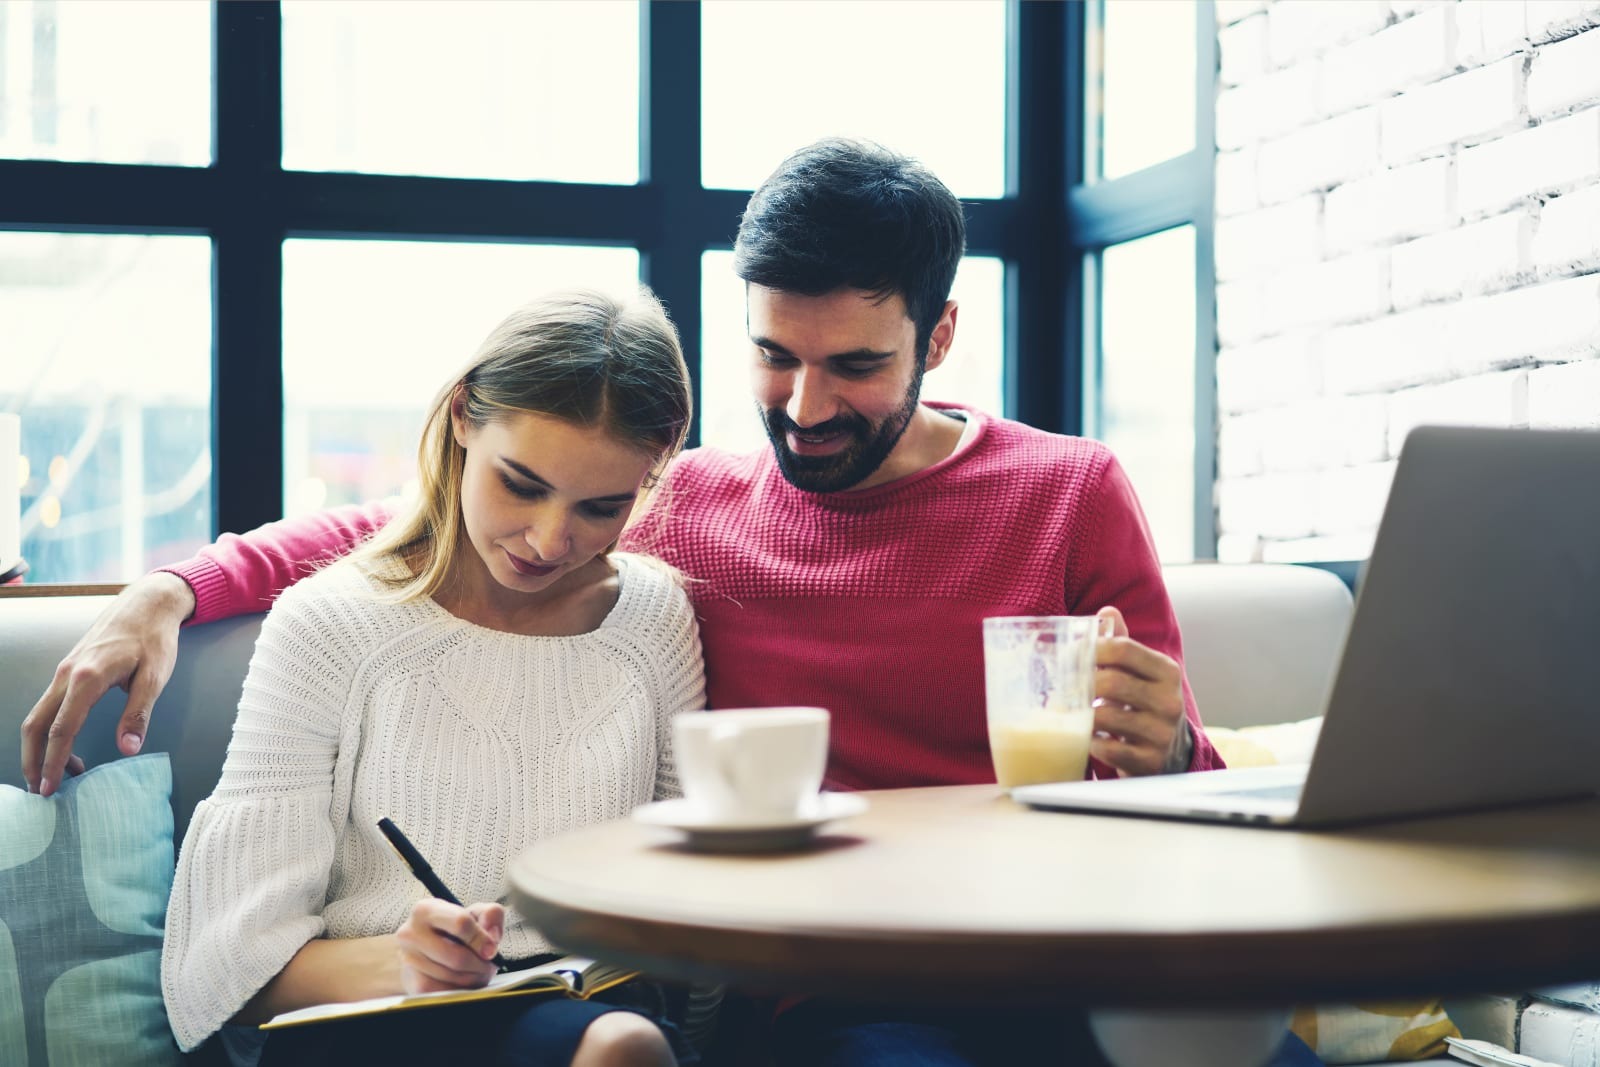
x=1182, y=751
x=169, y=594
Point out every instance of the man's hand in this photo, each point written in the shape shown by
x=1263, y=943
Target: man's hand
x=446, y=946
x=133, y=644
x=1139, y=721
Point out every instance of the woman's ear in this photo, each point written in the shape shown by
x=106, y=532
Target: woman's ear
x=458, y=415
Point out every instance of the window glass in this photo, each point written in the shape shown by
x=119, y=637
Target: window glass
x=972, y=374
x=1147, y=372
x=107, y=359
x=1141, y=84
x=928, y=81
x=372, y=330
x=546, y=90
x=72, y=87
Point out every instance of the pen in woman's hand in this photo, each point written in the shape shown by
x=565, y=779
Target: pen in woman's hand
x=424, y=872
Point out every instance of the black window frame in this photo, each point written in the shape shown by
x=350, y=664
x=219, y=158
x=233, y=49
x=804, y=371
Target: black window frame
x=248, y=204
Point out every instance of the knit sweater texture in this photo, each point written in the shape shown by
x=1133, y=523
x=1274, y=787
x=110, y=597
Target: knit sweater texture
x=866, y=602
x=476, y=742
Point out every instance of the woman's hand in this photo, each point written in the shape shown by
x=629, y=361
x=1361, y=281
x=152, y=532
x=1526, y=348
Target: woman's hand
x=446, y=946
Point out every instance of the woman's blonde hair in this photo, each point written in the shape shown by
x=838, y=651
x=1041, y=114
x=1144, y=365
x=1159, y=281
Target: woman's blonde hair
x=584, y=356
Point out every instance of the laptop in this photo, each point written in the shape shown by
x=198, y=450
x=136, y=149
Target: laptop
x=1470, y=676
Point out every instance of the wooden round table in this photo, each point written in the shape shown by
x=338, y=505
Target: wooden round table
x=955, y=892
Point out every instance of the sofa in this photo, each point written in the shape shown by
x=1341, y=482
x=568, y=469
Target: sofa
x=1261, y=644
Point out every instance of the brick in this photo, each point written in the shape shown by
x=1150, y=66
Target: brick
x=1356, y=546
x=1243, y=50
x=1271, y=237
x=1266, y=107
x=1566, y=395
x=1281, y=370
x=1323, y=433
x=1391, y=205
x=1551, y=20
x=1487, y=30
x=1268, y=506
x=1568, y=234
x=1386, y=354
x=1466, y=107
x=1239, y=548
x=1347, y=289
x=1357, y=431
x=1551, y=321
x=1239, y=445
x=1560, y=1035
x=1236, y=182
x=1466, y=261
x=1408, y=53
x=1290, y=438
x=1231, y=11
x=1351, y=499
x=1543, y=159
x=1407, y=8
x=1299, y=28
x=1565, y=75
x=1329, y=153
x=1242, y=314
x=1499, y=399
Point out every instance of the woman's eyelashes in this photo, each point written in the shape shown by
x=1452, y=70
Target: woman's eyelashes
x=536, y=492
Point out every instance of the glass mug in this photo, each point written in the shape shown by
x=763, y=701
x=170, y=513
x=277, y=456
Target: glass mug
x=1039, y=675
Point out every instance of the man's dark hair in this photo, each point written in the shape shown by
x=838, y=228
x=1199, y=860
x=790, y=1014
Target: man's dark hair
x=842, y=214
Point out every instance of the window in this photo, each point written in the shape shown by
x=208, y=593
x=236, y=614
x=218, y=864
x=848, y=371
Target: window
x=237, y=258
x=361, y=363
x=1141, y=223
x=463, y=88
x=108, y=361
x=72, y=89
x=782, y=73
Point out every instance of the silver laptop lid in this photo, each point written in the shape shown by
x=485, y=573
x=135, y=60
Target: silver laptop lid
x=1471, y=673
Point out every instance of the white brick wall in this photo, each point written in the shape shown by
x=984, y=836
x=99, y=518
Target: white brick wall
x=1408, y=231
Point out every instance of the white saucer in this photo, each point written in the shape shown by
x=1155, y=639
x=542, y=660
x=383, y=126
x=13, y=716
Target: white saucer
x=759, y=834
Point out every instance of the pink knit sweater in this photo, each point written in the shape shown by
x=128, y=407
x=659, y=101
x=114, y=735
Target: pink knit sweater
x=867, y=603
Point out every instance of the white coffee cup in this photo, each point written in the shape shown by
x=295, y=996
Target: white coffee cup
x=750, y=764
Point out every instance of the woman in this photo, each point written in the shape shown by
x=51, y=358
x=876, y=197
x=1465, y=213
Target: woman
x=485, y=672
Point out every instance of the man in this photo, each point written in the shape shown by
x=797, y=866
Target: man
x=848, y=566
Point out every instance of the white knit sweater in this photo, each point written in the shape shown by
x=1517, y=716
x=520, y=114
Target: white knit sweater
x=476, y=742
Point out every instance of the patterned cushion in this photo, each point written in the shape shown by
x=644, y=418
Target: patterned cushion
x=84, y=878
x=1375, y=1031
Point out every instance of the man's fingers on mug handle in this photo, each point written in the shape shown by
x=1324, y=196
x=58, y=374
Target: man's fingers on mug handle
x=1119, y=625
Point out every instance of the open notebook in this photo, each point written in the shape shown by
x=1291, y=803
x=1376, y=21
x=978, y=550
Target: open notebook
x=1469, y=677
x=572, y=976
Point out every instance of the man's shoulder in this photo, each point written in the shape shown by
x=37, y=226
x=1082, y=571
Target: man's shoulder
x=1018, y=447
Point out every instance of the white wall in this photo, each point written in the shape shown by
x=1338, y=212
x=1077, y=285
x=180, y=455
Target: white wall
x=1408, y=230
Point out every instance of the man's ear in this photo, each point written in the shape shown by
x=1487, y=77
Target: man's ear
x=943, y=335
x=458, y=415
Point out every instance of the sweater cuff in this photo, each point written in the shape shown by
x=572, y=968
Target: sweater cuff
x=210, y=585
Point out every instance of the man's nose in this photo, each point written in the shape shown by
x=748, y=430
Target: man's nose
x=810, y=400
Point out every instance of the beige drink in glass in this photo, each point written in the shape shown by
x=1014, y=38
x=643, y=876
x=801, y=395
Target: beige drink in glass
x=1039, y=677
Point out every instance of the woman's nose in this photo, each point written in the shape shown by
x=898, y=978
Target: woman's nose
x=550, y=537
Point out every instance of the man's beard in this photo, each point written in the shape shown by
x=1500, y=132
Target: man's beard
x=869, y=445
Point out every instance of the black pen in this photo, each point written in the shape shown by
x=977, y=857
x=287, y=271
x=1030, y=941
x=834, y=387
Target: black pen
x=424, y=871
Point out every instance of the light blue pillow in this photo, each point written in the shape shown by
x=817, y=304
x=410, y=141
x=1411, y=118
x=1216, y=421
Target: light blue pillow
x=84, y=878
